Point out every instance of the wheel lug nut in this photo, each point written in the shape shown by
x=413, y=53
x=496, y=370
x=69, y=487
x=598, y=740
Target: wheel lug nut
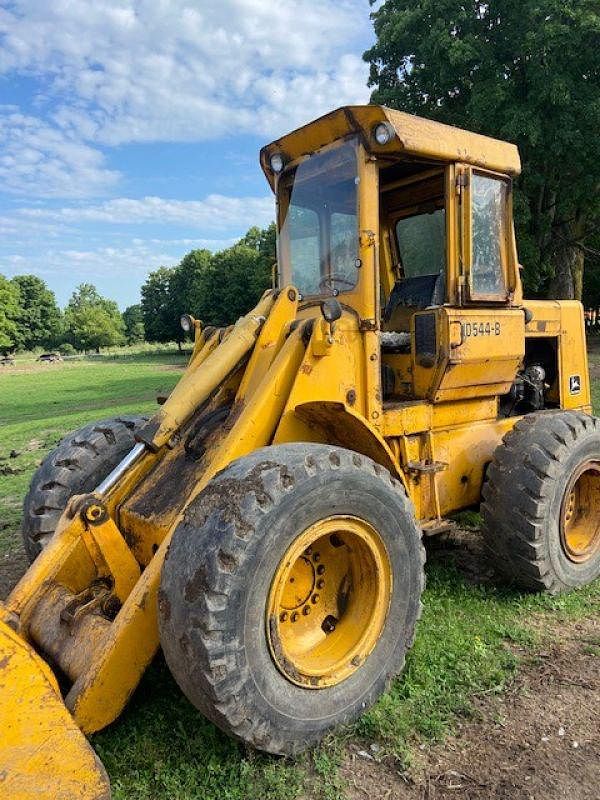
x=315, y=598
x=306, y=610
x=316, y=557
x=283, y=616
x=308, y=551
x=320, y=569
x=320, y=583
x=295, y=616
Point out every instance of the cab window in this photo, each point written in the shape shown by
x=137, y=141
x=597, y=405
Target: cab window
x=489, y=236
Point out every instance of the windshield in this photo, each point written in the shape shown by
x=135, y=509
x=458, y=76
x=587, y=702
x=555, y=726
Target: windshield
x=318, y=238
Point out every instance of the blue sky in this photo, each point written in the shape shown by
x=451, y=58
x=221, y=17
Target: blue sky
x=130, y=129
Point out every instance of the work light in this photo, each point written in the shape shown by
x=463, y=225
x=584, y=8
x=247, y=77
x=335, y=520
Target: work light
x=187, y=322
x=276, y=162
x=382, y=133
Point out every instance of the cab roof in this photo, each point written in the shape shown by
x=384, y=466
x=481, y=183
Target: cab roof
x=415, y=138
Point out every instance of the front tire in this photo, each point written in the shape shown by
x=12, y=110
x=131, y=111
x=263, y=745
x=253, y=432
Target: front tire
x=80, y=462
x=227, y=603
x=541, y=502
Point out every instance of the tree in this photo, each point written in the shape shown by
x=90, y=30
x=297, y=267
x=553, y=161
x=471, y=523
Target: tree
x=40, y=318
x=92, y=321
x=236, y=279
x=525, y=71
x=160, y=322
x=188, y=284
x=133, y=320
x=10, y=311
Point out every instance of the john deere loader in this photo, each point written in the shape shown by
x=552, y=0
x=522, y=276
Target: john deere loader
x=265, y=526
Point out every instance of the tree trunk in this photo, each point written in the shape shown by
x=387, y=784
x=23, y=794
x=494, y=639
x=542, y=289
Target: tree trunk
x=562, y=286
x=568, y=260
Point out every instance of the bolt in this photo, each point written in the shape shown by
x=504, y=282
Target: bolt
x=320, y=569
x=316, y=557
x=306, y=611
x=328, y=624
x=308, y=551
x=295, y=616
x=315, y=598
x=373, y=357
x=355, y=661
x=283, y=616
x=320, y=583
x=291, y=295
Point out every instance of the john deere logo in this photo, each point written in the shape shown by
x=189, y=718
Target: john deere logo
x=575, y=384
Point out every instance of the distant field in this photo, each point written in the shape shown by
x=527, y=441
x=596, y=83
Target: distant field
x=40, y=403
x=470, y=642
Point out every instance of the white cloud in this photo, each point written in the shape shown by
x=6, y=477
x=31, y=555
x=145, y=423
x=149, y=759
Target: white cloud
x=39, y=159
x=129, y=70
x=215, y=212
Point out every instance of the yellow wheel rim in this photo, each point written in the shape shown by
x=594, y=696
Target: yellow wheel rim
x=328, y=601
x=580, y=514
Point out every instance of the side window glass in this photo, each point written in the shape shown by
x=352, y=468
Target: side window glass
x=488, y=203
x=304, y=246
x=344, y=247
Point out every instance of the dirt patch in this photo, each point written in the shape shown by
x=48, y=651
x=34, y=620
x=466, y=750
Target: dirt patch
x=12, y=565
x=539, y=741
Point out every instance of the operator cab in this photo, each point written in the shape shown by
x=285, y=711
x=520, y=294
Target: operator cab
x=394, y=225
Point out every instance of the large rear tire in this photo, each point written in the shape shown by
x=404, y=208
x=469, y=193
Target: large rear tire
x=80, y=462
x=290, y=593
x=541, y=502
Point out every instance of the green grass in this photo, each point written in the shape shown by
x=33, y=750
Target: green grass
x=468, y=642
x=40, y=403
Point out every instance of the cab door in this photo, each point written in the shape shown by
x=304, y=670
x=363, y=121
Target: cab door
x=474, y=349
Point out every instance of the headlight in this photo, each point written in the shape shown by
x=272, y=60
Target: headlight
x=382, y=133
x=276, y=162
x=187, y=322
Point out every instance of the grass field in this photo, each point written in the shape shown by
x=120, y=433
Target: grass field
x=467, y=644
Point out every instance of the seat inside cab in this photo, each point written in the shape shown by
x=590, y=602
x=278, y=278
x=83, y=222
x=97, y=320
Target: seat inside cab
x=413, y=262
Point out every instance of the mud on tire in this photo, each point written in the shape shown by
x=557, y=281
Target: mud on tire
x=523, y=500
x=217, y=576
x=79, y=463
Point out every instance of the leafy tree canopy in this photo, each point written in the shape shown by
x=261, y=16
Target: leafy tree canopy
x=526, y=71
x=10, y=312
x=216, y=288
x=39, y=318
x=160, y=322
x=93, y=321
x=133, y=320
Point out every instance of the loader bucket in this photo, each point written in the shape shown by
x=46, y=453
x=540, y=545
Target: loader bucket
x=42, y=751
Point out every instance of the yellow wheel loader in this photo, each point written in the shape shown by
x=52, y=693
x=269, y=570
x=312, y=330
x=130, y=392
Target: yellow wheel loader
x=265, y=527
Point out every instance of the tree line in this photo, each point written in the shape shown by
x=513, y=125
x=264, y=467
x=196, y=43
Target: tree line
x=215, y=287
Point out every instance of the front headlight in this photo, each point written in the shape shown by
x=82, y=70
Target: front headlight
x=187, y=323
x=382, y=133
x=276, y=162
